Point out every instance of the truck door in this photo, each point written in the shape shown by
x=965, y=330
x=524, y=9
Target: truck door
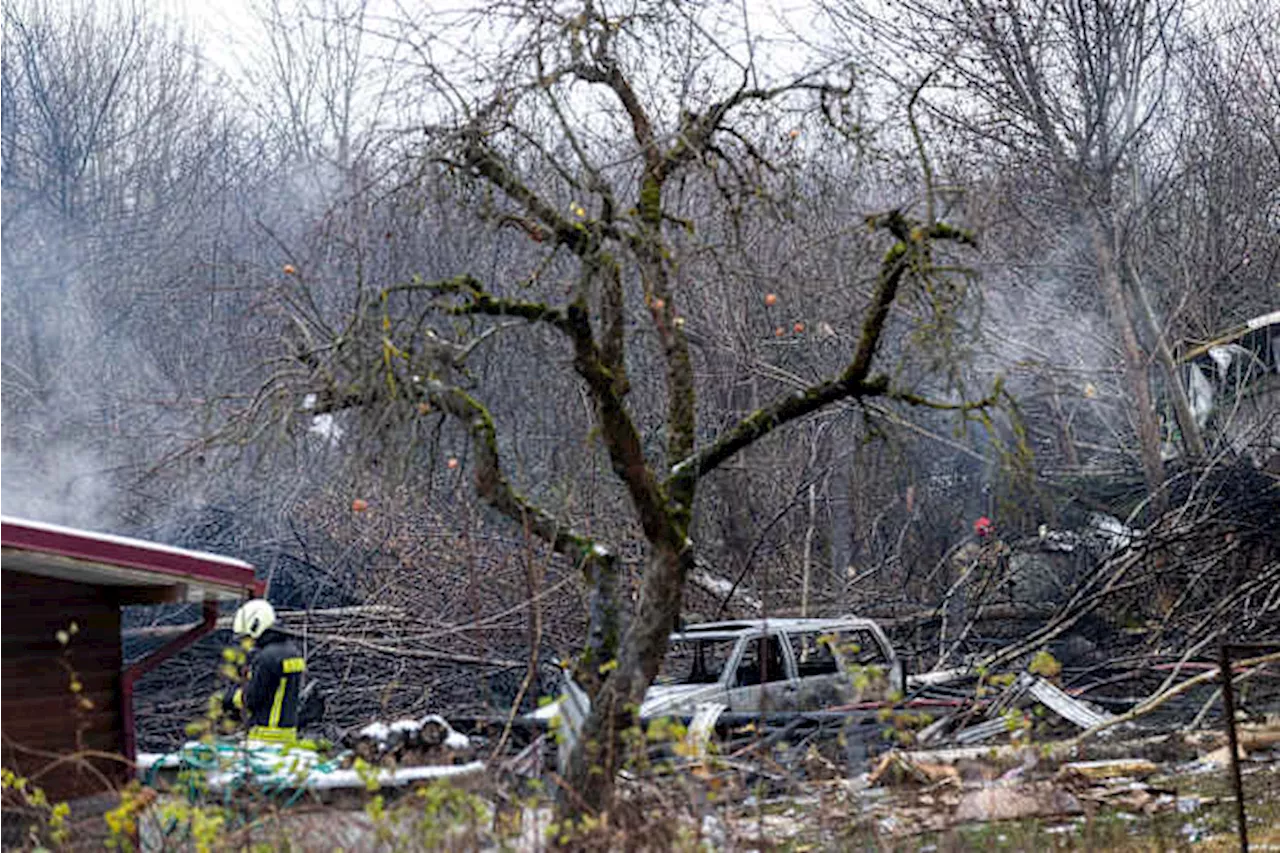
x=864, y=664
x=764, y=679
x=822, y=684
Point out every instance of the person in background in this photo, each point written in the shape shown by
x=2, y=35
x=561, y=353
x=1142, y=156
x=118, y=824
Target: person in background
x=269, y=699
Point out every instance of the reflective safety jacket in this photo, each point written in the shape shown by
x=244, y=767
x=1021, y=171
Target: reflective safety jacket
x=270, y=699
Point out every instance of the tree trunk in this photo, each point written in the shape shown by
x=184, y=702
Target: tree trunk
x=604, y=617
x=598, y=754
x=841, y=521
x=1192, y=440
x=1135, y=362
x=809, y=531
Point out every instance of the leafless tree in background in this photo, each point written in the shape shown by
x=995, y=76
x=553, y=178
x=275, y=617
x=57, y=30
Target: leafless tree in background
x=1081, y=93
x=117, y=164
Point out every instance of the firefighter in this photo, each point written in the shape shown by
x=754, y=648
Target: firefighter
x=270, y=698
x=992, y=558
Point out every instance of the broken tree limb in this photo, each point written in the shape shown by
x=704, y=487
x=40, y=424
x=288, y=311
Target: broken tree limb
x=286, y=618
x=1156, y=701
x=1157, y=748
x=723, y=588
x=1097, y=771
x=1252, y=737
x=408, y=651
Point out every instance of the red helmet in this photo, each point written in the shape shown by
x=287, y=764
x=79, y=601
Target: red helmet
x=982, y=527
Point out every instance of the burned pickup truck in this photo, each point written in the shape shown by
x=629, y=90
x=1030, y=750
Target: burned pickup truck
x=775, y=665
x=759, y=666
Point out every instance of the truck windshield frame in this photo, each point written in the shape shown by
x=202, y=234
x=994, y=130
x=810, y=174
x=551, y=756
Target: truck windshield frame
x=692, y=659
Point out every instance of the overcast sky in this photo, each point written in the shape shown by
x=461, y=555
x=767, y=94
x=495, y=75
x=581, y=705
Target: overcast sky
x=227, y=28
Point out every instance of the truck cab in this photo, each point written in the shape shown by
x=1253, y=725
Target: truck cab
x=763, y=666
x=766, y=665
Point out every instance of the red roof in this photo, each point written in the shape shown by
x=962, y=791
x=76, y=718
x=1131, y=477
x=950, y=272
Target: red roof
x=108, y=560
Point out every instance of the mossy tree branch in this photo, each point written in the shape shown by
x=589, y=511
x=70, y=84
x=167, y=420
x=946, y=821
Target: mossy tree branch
x=580, y=238
x=598, y=563
x=663, y=507
x=592, y=363
x=617, y=429
x=909, y=253
x=964, y=406
x=597, y=64
x=480, y=301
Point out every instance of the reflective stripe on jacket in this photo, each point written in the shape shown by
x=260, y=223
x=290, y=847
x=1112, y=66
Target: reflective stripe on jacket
x=275, y=686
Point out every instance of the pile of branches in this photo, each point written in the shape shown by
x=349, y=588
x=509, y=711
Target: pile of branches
x=1206, y=570
x=463, y=623
x=371, y=663
x=1139, y=626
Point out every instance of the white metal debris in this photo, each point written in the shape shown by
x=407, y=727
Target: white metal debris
x=939, y=676
x=703, y=725
x=574, y=707
x=1061, y=704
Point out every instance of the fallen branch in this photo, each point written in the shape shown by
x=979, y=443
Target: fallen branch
x=1156, y=701
x=286, y=619
x=402, y=651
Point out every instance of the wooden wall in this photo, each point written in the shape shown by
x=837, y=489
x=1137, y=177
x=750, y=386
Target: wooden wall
x=39, y=717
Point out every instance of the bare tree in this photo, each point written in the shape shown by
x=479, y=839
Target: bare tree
x=1078, y=90
x=577, y=147
x=315, y=82
x=117, y=164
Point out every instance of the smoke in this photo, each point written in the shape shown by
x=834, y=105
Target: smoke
x=60, y=369
x=63, y=485
x=1041, y=311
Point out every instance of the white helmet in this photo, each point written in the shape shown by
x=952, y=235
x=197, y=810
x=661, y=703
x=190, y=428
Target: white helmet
x=254, y=616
